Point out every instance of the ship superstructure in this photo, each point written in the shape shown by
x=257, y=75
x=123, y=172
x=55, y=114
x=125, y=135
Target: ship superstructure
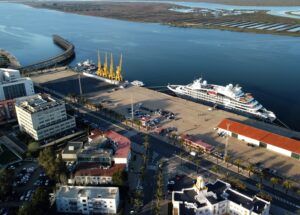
x=228, y=97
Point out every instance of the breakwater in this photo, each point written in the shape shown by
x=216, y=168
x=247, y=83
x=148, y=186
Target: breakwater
x=57, y=60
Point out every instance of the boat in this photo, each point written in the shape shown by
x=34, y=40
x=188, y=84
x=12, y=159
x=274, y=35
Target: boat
x=227, y=97
x=138, y=83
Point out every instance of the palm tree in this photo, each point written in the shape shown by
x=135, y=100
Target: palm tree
x=274, y=181
x=259, y=186
x=250, y=168
x=197, y=162
x=215, y=168
x=227, y=158
x=218, y=150
x=287, y=184
x=238, y=164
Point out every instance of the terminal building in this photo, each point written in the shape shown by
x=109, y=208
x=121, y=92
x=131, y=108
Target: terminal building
x=271, y=141
x=41, y=116
x=12, y=85
x=216, y=198
x=87, y=200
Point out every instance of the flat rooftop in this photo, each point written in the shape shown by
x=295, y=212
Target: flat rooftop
x=37, y=102
x=83, y=191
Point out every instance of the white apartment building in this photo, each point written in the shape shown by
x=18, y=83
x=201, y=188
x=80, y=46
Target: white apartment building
x=12, y=85
x=87, y=200
x=217, y=198
x=41, y=116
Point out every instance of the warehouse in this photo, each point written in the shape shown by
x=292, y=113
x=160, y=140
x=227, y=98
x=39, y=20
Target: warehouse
x=274, y=142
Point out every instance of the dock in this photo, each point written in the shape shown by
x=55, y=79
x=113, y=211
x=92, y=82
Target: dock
x=190, y=117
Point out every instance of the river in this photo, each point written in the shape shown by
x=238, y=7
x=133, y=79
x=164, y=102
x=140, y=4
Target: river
x=265, y=65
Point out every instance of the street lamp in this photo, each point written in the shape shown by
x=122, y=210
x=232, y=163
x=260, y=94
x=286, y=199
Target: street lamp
x=226, y=145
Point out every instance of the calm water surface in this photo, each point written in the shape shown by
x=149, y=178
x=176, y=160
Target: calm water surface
x=265, y=65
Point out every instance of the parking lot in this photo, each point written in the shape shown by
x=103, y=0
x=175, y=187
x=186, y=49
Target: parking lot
x=28, y=177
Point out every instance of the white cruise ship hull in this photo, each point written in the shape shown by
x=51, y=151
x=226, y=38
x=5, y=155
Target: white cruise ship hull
x=225, y=105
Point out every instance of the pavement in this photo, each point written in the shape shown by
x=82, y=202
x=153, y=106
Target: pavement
x=159, y=149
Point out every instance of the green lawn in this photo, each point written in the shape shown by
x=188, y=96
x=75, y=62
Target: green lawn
x=6, y=156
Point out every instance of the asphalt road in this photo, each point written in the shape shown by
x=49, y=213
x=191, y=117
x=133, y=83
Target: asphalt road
x=166, y=151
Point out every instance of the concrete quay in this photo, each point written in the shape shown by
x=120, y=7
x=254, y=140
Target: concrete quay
x=191, y=118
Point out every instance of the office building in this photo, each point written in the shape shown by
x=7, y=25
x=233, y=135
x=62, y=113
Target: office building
x=41, y=116
x=12, y=85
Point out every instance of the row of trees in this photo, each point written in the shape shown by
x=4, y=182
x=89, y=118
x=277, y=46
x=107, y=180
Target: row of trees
x=250, y=168
x=53, y=165
x=159, y=189
x=6, y=178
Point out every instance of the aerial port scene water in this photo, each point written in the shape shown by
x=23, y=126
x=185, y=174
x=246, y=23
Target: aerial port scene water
x=149, y=107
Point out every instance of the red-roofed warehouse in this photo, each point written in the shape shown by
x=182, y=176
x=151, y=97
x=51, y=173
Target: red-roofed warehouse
x=277, y=143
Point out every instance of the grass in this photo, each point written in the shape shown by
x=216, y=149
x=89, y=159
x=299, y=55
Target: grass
x=6, y=156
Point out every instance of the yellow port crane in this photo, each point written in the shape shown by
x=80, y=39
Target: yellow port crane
x=99, y=71
x=111, y=75
x=105, y=68
x=119, y=71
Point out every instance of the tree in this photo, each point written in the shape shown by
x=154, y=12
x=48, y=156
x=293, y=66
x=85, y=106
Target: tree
x=274, y=181
x=287, y=184
x=53, y=165
x=215, y=168
x=238, y=162
x=6, y=178
x=146, y=142
x=33, y=147
x=227, y=158
x=38, y=205
x=250, y=168
x=197, y=162
x=259, y=186
x=119, y=178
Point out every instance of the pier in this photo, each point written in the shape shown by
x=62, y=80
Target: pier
x=61, y=59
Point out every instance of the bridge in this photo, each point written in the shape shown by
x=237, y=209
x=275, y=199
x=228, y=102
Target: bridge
x=60, y=59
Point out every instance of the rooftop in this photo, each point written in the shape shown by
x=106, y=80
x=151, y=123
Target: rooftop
x=123, y=143
x=96, y=170
x=72, y=147
x=189, y=199
x=37, y=102
x=90, y=192
x=261, y=135
x=196, y=141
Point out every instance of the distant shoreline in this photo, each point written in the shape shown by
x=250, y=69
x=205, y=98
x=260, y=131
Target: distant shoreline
x=225, y=2
x=161, y=13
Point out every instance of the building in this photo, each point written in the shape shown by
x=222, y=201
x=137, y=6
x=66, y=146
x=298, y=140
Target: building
x=7, y=110
x=89, y=174
x=12, y=85
x=41, y=116
x=217, y=198
x=71, y=150
x=87, y=200
x=196, y=144
x=101, y=156
x=274, y=142
x=120, y=144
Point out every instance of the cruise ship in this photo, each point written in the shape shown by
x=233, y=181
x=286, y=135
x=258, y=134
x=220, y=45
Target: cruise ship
x=229, y=97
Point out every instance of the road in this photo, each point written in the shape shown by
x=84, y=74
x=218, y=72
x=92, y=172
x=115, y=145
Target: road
x=161, y=150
